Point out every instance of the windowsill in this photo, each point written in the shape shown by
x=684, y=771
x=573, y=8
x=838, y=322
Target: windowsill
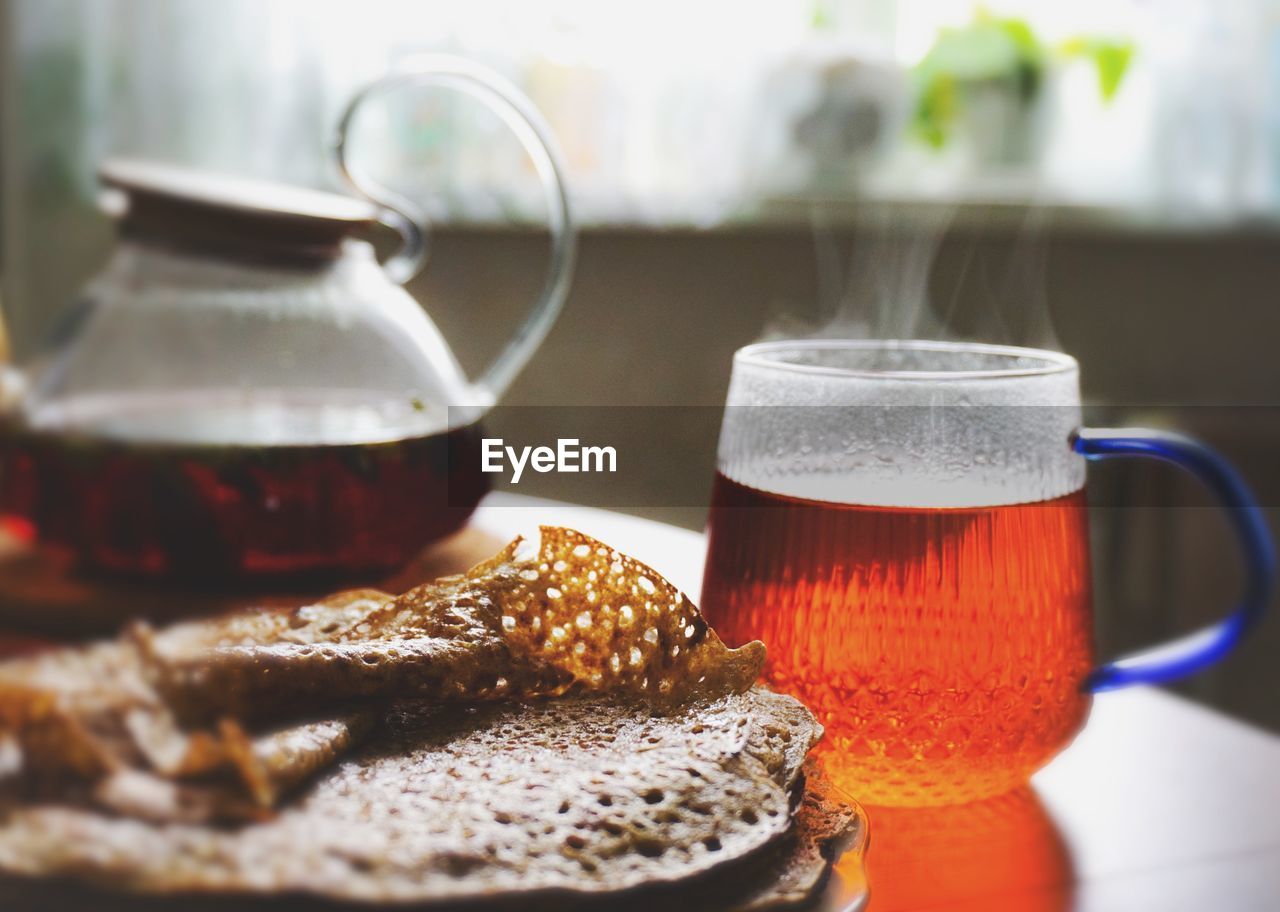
x=971, y=214
x=1015, y=201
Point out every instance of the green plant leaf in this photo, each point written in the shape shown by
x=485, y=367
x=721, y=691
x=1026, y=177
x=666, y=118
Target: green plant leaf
x=1110, y=57
x=822, y=19
x=1112, y=60
x=987, y=50
x=935, y=110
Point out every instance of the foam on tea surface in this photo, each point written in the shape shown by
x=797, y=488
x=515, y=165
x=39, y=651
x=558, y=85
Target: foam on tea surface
x=253, y=418
x=928, y=425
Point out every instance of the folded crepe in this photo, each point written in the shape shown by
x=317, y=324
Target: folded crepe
x=571, y=614
x=557, y=723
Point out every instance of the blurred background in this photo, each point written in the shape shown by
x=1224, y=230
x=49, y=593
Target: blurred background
x=1101, y=176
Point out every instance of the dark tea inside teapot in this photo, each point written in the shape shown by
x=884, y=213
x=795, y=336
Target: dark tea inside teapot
x=244, y=392
x=212, y=509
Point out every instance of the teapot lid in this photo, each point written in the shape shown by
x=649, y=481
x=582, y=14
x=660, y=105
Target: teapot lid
x=221, y=214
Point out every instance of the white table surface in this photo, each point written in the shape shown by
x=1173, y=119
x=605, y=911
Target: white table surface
x=1159, y=804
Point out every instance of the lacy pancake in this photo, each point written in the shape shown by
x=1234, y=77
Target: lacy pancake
x=557, y=724
x=570, y=796
x=571, y=615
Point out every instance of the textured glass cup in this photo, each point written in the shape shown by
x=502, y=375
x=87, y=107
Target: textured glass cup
x=904, y=525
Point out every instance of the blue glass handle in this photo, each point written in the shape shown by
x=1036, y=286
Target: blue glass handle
x=1198, y=650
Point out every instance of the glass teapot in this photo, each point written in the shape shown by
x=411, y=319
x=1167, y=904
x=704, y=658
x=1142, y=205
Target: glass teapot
x=244, y=391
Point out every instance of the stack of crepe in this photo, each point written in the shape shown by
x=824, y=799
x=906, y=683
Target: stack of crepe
x=558, y=726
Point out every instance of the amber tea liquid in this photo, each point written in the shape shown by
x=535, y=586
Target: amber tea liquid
x=320, y=486
x=943, y=649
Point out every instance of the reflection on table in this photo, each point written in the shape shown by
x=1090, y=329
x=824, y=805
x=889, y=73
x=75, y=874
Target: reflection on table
x=1004, y=853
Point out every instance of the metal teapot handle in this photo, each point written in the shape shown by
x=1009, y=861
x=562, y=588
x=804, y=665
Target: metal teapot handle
x=518, y=113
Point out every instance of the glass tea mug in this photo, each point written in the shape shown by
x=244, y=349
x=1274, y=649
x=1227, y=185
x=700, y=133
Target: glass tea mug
x=904, y=525
x=245, y=392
